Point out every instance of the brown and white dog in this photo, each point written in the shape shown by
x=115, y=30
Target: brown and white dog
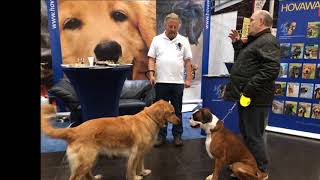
x=130, y=135
x=225, y=147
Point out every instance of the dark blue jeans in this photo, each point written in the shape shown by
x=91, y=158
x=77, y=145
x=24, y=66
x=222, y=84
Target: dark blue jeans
x=173, y=93
x=252, y=124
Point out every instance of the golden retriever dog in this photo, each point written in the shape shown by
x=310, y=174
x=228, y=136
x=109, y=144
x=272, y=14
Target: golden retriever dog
x=109, y=30
x=226, y=148
x=316, y=111
x=307, y=70
x=130, y=135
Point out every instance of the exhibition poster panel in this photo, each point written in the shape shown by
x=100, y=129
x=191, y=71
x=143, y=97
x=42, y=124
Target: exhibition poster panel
x=297, y=89
x=78, y=29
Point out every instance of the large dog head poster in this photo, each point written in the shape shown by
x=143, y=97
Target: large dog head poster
x=106, y=29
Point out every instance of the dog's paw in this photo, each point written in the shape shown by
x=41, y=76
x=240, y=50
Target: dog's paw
x=98, y=177
x=138, y=177
x=145, y=172
x=209, y=177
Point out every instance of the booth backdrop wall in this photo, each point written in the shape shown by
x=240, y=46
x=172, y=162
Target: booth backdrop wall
x=77, y=27
x=296, y=103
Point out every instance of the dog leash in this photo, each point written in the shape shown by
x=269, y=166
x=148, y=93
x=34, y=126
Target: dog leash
x=229, y=111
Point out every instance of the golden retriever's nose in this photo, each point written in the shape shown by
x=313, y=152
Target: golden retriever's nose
x=108, y=50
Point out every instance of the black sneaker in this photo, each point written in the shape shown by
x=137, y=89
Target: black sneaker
x=160, y=141
x=177, y=141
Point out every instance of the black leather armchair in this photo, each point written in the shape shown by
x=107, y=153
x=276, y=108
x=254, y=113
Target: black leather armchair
x=135, y=95
x=64, y=92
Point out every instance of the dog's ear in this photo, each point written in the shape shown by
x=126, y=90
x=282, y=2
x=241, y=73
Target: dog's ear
x=147, y=21
x=157, y=111
x=207, y=116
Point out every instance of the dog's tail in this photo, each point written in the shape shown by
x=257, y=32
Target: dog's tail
x=48, y=111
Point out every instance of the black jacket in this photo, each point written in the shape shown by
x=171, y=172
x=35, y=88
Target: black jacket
x=256, y=66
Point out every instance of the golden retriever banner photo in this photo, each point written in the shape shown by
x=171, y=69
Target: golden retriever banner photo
x=106, y=29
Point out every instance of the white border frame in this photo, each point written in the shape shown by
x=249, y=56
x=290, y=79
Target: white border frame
x=293, y=132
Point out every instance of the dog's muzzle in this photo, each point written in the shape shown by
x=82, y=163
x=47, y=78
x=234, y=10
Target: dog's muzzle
x=194, y=124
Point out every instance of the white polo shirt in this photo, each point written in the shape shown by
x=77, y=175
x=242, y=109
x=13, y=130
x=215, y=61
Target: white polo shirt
x=170, y=56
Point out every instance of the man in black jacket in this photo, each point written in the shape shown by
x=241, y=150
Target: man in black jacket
x=257, y=64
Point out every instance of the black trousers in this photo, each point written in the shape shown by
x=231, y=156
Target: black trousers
x=252, y=124
x=173, y=93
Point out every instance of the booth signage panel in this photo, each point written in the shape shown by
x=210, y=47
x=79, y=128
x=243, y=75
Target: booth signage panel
x=296, y=103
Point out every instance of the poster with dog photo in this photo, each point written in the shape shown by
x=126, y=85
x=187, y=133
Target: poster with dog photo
x=304, y=109
x=308, y=71
x=283, y=73
x=313, y=30
x=292, y=89
x=191, y=13
x=317, y=76
x=285, y=50
x=298, y=30
x=295, y=70
x=297, y=50
x=306, y=90
x=280, y=88
x=315, y=113
x=288, y=28
x=311, y=51
x=277, y=106
x=122, y=30
x=290, y=108
x=316, y=94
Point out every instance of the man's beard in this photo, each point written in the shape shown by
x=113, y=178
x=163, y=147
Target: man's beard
x=172, y=35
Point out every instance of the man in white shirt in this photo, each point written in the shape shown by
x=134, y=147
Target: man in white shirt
x=169, y=56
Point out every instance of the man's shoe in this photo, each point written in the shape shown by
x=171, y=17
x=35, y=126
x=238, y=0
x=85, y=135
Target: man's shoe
x=177, y=141
x=160, y=142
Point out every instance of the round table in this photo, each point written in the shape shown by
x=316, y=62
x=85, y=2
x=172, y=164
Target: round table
x=98, y=88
